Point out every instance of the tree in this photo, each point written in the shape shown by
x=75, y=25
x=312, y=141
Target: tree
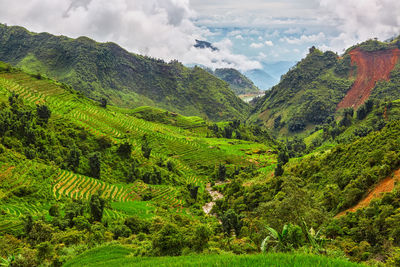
x=124, y=149
x=40, y=232
x=74, y=158
x=275, y=240
x=103, y=102
x=54, y=210
x=169, y=241
x=121, y=230
x=137, y=225
x=95, y=166
x=200, y=238
x=28, y=223
x=221, y=172
x=193, y=190
x=231, y=221
x=43, y=113
x=12, y=99
x=228, y=130
x=96, y=206
x=146, y=149
x=291, y=237
x=283, y=158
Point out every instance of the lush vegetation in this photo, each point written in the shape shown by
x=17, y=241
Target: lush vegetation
x=238, y=83
x=105, y=70
x=119, y=256
x=76, y=173
x=86, y=182
x=307, y=94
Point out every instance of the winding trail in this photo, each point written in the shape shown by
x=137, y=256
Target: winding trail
x=384, y=186
x=371, y=68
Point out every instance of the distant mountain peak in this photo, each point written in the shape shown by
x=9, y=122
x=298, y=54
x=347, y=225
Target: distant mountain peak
x=204, y=44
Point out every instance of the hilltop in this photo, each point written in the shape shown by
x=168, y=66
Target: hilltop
x=238, y=82
x=105, y=70
x=321, y=85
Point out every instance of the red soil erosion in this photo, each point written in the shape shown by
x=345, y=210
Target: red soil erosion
x=384, y=186
x=371, y=67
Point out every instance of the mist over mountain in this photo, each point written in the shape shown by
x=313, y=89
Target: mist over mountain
x=105, y=70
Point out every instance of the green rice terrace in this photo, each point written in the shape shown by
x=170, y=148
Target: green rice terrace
x=145, y=162
x=119, y=256
x=87, y=183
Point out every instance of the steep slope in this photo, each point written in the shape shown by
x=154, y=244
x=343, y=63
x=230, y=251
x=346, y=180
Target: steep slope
x=307, y=94
x=106, y=70
x=321, y=84
x=384, y=186
x=238, y=82
x=372, y=67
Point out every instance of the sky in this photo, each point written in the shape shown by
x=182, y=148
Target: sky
x=248, y=33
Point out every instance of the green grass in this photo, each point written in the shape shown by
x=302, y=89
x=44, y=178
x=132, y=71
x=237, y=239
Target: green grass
x=119, y=256
x=143, y=209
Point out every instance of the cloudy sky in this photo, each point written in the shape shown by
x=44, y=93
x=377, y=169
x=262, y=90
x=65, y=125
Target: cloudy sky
x=248, y=33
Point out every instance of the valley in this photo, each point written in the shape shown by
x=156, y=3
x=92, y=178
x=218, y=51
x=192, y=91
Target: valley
x=114, y=158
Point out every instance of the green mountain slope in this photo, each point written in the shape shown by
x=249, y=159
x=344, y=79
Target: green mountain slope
x=125, y=79
x=321, y=84
x=72, y=171
x=238, y=83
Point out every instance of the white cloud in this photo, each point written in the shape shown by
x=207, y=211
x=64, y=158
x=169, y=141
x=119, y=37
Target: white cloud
x=256, y=45
x=158, y=28
x=292, y=31
x=360, y=20
x=239, y=36
x=269, y=43
x=304, y=39
x=262, y=56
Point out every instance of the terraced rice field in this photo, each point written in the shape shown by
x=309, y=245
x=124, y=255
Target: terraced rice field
x=75, y=186
x=13, y=177
x=10, y=225
x=185, y=149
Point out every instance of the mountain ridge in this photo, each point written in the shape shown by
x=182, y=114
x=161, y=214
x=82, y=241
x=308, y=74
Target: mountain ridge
x=125, y=79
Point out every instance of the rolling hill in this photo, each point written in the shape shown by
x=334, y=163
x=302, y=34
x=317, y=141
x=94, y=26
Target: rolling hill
x=322, y=84
x=105, y=70
x=238, y=82
x=85, y=182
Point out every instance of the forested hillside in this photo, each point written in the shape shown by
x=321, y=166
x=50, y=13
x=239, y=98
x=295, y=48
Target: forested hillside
x=76, y=173
x=105, y=70
x=238, y=82
x=111, y=179
x=320, y=86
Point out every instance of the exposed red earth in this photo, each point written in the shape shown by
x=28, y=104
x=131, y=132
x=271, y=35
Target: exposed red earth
x=371, y=67
x=386, y=185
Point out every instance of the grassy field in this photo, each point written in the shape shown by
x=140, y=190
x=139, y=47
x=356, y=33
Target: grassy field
x=119, y=256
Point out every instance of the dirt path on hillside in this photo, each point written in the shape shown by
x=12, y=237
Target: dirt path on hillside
x=215, y=196
x=384, y=186
x=371, y=67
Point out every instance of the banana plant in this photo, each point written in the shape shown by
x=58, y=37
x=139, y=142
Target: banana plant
x=275, y=240
x=314, y=238
x=7, y=262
